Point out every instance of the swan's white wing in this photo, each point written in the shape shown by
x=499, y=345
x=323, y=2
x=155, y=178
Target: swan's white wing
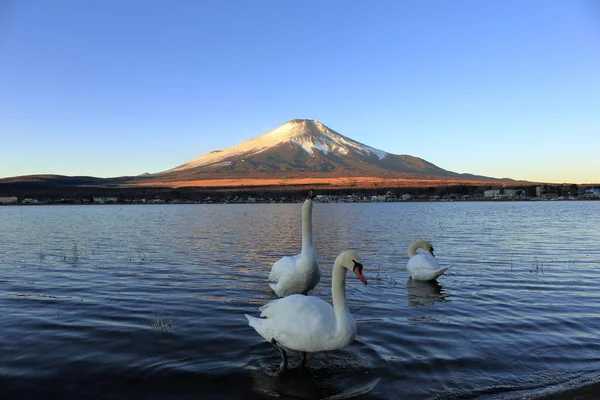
x=295, y=275
x=422, y=260
x=424, y=267
x=282, y=267
x=297, y=322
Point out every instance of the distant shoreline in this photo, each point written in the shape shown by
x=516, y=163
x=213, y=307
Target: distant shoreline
x=291, y=201
x=83, y=191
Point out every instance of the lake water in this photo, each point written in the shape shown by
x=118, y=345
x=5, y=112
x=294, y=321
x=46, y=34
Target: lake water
x=148, y=301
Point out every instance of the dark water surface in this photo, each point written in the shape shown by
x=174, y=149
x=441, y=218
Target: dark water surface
x=148, y=301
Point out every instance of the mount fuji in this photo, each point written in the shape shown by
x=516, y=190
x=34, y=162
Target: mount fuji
x=299, y=152
x=302, y=148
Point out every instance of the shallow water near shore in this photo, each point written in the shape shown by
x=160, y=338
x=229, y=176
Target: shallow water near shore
x=148, y=301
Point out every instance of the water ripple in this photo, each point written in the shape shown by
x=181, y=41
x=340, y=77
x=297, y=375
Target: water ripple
x=149, y=301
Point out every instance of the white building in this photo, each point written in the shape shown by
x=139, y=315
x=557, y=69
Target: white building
x=495, y=193
x=491, y=193
x=105, y=199
x=29, y=200
x=8, y=200
x=378, y=198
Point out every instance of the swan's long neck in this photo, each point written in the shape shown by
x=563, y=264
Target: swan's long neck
x=338, y=292
x=412, y=249
x=307, y=239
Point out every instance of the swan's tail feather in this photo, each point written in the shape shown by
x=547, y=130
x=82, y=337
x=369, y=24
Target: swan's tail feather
x=447, y=268
x=252, y=321
x=273, y=275
x=273, y=287
x=264, y=308
x=261, y=326
x=441, y=271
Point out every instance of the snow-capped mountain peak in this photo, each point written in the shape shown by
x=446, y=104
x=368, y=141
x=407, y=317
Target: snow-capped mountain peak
x=304, y=148
x=312, y=136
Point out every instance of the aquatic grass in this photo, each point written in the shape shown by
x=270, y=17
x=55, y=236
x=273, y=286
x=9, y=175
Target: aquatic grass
x=162, y=323
x=141, y=257
x=75, y=251
x=539, y=265
x=543, y=266
x=97, y=246
x=385, y=278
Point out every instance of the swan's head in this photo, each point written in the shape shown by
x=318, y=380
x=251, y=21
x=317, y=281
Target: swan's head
x=429, y=248
x=311, y=194
x=420, y=244
x=350, y=260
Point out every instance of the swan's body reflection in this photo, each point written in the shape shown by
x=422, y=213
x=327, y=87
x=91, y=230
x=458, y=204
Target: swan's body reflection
x=425, y=294
x=339, y=374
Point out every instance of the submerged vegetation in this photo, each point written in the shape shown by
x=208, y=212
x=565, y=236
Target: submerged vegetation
x=162, y=323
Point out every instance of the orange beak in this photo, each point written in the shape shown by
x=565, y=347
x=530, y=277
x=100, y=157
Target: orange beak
x=358, y=271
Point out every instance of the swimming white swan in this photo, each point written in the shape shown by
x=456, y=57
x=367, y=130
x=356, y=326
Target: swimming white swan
x=300, y=273
x=307, y=323
x=423, y=266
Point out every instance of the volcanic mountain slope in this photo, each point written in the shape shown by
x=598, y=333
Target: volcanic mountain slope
x=303, y=148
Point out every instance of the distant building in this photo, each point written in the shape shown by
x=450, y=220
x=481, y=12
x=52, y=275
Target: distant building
x=8, y=200
x=105, y=199
x=591, y=193
x=495, y=193
x=550, y=196
x=28, y=200
x=377, y=198
x=491, y=193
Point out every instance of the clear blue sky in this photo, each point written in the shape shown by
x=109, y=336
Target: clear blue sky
x=504, y=88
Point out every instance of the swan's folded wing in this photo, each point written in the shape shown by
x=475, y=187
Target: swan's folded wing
x=298, y=322
x=299, y=312
x=426, y=271
x=282, y=267
x=422, y=261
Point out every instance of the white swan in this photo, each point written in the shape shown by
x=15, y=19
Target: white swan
x=307, y=323
x=423, y=266
x=300, y=273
